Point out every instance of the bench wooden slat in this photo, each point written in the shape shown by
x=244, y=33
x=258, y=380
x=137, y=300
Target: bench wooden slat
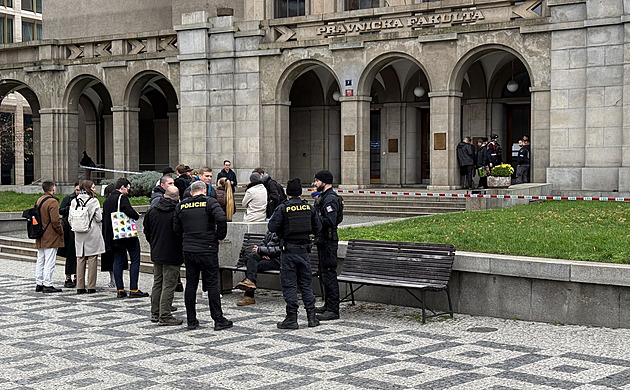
x=409, y=265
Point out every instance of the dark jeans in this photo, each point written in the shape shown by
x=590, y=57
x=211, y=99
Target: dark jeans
x=522, y=173
x=327, y=255
x=120, y=260
x=71, y=266
x=295, y=272
x=165, y=278
x=466, y=172
x=255, y=264
x=206, y=264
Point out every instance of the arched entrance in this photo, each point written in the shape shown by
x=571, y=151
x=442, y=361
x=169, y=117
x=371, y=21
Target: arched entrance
x=496, y=99
x=19, y=133
x=399, y=122
x=156, y=105
x=90, y=104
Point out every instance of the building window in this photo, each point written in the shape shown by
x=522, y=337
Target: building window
x=6, y=3
x=352, y=5
x=38, y=6
x=6, y=30
x=289, y=8
x=31, y=31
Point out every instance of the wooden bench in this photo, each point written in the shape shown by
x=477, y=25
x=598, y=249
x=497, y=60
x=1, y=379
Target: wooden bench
x=251, y=239
x=408, y=265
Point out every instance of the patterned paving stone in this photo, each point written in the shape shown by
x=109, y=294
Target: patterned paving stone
x=100, y=342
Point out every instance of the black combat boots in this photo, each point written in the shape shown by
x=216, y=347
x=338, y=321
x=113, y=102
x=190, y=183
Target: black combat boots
x=312, y=318
x=290, y=322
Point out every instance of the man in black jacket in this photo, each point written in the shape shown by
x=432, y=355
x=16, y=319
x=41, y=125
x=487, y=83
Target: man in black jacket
x=228, y=173
x=264, y=257
x=201, y=223
x=482, y=162
x=183, y=180
x=166, y=255
x=121, y=246
x=466, y=159
x=275, y=192
x=294, y=221
x=522, y=170
x=329, y=209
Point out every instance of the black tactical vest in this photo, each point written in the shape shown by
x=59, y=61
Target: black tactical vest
x=296, y=223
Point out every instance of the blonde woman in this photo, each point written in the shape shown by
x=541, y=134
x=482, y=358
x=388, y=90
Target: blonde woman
x=89, y=244
x=226, y=198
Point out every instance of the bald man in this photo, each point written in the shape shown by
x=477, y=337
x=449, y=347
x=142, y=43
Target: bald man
x=166, y=255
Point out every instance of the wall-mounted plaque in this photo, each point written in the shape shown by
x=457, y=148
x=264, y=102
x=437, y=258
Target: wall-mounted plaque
x=392, y=145
x=348, y=143
x=439, y=141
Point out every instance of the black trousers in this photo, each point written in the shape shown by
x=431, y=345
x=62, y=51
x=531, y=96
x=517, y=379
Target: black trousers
x=327, y=255
x=295, y=272
x=206, y=264
x=466, y=172
x=255, y=264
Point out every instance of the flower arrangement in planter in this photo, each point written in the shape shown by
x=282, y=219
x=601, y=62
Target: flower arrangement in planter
x=501, y=176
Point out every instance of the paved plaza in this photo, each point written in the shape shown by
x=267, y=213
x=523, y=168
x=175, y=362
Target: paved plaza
x=59, y=341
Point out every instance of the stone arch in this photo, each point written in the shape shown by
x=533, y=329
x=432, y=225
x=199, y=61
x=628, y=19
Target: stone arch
x=88, y=105
x=153, y=104
x=20, y=146
x=461, y=67
x=311, y=119
x=293, y=72
x=380, y=62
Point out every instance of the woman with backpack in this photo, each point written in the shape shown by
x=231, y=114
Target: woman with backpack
x=85, y=218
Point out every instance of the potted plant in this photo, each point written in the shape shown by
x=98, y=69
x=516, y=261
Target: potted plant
x=501, y=176
x=224, y=10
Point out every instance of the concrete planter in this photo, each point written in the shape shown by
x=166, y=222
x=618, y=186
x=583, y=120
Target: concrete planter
x=499, y=181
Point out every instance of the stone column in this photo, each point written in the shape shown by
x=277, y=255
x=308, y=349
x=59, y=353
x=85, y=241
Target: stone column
x=539, y=138
x=108, y=126
x=173, y=139
x=37, y=159
x=125, y=138
x=58, y=145
x=275, y=139
x=409, y=149
x=18, y=125
x=393, y=129
x=334, y=137
x=445, y=124
x=91, y=130
x=194, y=45
x=355, y=135
x=624, y=170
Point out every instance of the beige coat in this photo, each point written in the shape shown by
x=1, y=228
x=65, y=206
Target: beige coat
x=90, y=243
x=53, y=236
x=255, y=202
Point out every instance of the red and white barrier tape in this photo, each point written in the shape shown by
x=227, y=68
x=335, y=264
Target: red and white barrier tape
x=486, y=196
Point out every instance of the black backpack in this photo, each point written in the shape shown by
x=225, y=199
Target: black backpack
x=339, y=209
x=33, y=220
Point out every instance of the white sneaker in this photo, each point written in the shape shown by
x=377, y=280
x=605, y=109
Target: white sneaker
x=111, y=286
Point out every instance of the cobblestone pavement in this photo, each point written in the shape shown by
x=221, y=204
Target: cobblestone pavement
x=99, y=342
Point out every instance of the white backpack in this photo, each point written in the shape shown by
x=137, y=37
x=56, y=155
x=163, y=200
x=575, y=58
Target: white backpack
x=79, y=217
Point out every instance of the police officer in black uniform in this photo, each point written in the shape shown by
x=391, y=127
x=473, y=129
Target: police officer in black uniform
x=328, y=207
x=202, y=223
x=294, y=221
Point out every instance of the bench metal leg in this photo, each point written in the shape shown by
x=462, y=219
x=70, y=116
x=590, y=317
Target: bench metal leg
x=424, y=317
x=450, y=305
x=351, y=293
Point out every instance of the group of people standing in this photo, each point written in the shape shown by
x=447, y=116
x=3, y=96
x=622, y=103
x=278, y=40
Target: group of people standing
x=186, y=227
x=487, y=156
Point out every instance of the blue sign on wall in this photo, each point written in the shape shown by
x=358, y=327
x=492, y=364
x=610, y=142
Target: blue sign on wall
x=375, y=145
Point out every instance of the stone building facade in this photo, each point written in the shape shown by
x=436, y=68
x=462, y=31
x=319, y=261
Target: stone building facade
x=20, y=21
x=379, y=92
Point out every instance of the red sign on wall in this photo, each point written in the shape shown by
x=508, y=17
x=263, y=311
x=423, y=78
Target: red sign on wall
x=349, y=92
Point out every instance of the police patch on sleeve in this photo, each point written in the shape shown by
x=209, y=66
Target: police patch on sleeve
x=329, y=209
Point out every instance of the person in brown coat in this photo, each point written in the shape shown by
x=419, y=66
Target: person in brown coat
x=51, y=240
